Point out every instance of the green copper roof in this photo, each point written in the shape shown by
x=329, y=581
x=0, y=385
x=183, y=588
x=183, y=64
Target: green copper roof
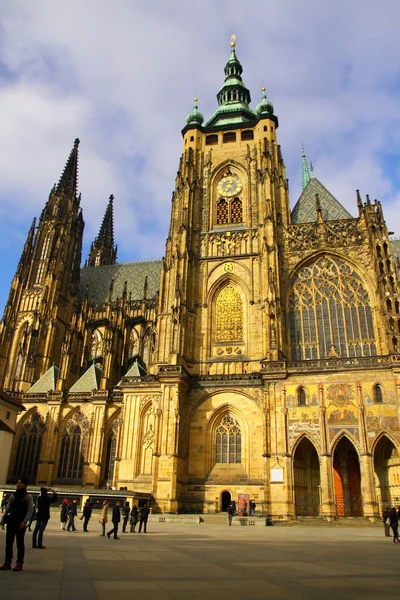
x=89, y=381
x=265, y=107
x=98, y=281
x=305, y=174
x=46, y=383
x=195, y=117
x=304, y=210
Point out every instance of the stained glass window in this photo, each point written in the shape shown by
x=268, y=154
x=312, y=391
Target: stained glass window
x=330, y=312
x=229, y=315
x=228, y=441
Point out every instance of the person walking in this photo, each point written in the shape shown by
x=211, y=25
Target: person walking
x=64, y=514
x=16, y=516
x=86, y=514
x=252, y=508
x=386, y=522
x=126, y=509
x=231, y=513
x=116, y=519
x=71, y=512
x=103, y=519
x=33, y=515
x=394, y=524
x=134, y=518
x=43, y=516
x=144, y=515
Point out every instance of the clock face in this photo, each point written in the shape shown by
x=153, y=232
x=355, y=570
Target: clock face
x=229, y=186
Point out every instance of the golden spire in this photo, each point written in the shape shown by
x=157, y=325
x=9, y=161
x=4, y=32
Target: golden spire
x=233, y=40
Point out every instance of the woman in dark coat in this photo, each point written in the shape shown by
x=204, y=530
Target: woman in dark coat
x=64, y=514
x=134, y=518
x=394, y=524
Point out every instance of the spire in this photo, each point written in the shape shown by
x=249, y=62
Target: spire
x=234, y=97
x=103, y=251
x=305, y=172
x=69, y=179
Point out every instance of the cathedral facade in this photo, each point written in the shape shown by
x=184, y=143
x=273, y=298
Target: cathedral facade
x=259, y=359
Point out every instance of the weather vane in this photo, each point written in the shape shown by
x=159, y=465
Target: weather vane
x=233, y=40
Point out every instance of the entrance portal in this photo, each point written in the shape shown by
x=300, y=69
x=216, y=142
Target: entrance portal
x=225, y=500
x=347, y=480
x=387, y=470
x=306, y=480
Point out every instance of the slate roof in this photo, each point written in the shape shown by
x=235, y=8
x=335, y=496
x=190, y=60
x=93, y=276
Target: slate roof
x=46, y=383
x=98, y=280
x=304, y=210
x=89, y=381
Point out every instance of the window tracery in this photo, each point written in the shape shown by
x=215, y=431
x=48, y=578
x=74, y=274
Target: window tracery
x=228, y=441
x=29, y=446
x=97, y=344
x=229, y=315
x=330, y=312
x=73, y=447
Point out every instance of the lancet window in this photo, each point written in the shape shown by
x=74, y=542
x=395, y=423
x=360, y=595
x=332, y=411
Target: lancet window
x=29, y=446
x=97, y=344
x=110, y=457
x=72, y=454
x=43, y=257
x=229, y=315
x=228, y=441
x=329, y=312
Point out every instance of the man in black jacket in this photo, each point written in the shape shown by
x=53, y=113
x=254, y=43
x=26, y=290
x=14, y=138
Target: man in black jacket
x=126, y=509
x=43, y=515
x=116, y=518
x=71, y=512
x=16, y=516
x=144, y=515
x=86, y=514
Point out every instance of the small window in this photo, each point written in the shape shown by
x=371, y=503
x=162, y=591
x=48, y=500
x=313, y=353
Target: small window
x=229, y=137
x=192, y=138
x=8, y=415
x=212, y=140
x=265, y=128
x=378, y=394
x=301, y=394
x=389, y=305
x=272, y=129
x=247, y=135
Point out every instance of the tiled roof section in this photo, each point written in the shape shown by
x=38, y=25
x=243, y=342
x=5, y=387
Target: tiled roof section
x=89, y=381
x=98, y=280
x=10, y=400
x=137, y=369
x=304, y=210
x=5, y=427
x=46, y=383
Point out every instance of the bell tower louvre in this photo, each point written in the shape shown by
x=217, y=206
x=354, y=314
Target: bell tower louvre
x=259, y=359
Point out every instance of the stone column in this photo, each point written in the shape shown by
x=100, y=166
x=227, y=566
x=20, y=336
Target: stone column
x=328, y=505
x=368, y=491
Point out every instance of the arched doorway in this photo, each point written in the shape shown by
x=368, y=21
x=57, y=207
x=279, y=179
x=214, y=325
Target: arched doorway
x=226, y=498
x=387, y=471
x=347, y=480
x=306, y=479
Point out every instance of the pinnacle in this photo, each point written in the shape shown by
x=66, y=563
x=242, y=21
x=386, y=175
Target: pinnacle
x=68, y=183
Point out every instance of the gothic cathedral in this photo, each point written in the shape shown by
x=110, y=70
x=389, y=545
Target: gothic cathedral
x=259, y=359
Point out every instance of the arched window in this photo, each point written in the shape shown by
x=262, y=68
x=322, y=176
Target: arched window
x=43, y=257
x=301, y=396
x=97, y=344
x=228, y=441
x=330, y=311
x=28, y=449
x=72, y=454
x=229, y=315
x=236, y=211
x=133, y=343
x=110, y=458
x=378, y=397
x=222, y=212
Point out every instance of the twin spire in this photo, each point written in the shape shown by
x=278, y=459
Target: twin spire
x=68, y=183
x=103, y=251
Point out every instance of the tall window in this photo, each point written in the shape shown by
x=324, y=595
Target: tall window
x=378, y=397
x=43, y=257
x=110, y=457
x=302, y=397
x=330, y=312
x=28, y=449
x=229, y=315
x=229, y=211
x=97, y=344
x=72, y=454
x=228, y=441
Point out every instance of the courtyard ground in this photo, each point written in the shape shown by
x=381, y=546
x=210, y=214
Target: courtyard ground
x=208, y=561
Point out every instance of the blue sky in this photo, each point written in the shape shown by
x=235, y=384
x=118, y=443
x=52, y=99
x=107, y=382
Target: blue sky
x=122, y=75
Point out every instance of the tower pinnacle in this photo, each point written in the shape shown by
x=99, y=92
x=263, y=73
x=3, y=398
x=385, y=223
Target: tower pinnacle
x=68, y=183
x=103, y=251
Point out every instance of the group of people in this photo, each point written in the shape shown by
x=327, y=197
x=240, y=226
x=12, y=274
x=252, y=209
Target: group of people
x=231, y=510
x=390, y=518
x=134, y=516
x=19, y=511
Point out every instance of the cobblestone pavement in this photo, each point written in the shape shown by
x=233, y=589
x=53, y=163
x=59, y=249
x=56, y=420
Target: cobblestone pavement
x=214, y=561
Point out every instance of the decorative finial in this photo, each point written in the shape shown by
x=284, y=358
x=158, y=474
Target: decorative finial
x=233, y=40
x=196, y=99
x=263, y=89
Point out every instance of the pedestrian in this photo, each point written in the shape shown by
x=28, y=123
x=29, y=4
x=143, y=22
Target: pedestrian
x=386, y=522
x=134, y=518
x=4, y=502
x=86, y=514
x=252, y=508
x=394, y=524
x=103, y=517
x=144, y=515
x=71, y=512
x=34, y=514
x=16, y=516
x=126, y=509
x=234, y=507
x=244, y=509
x=116, y=518
x=42, y=516
x=64, y=514
x=231, y=513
